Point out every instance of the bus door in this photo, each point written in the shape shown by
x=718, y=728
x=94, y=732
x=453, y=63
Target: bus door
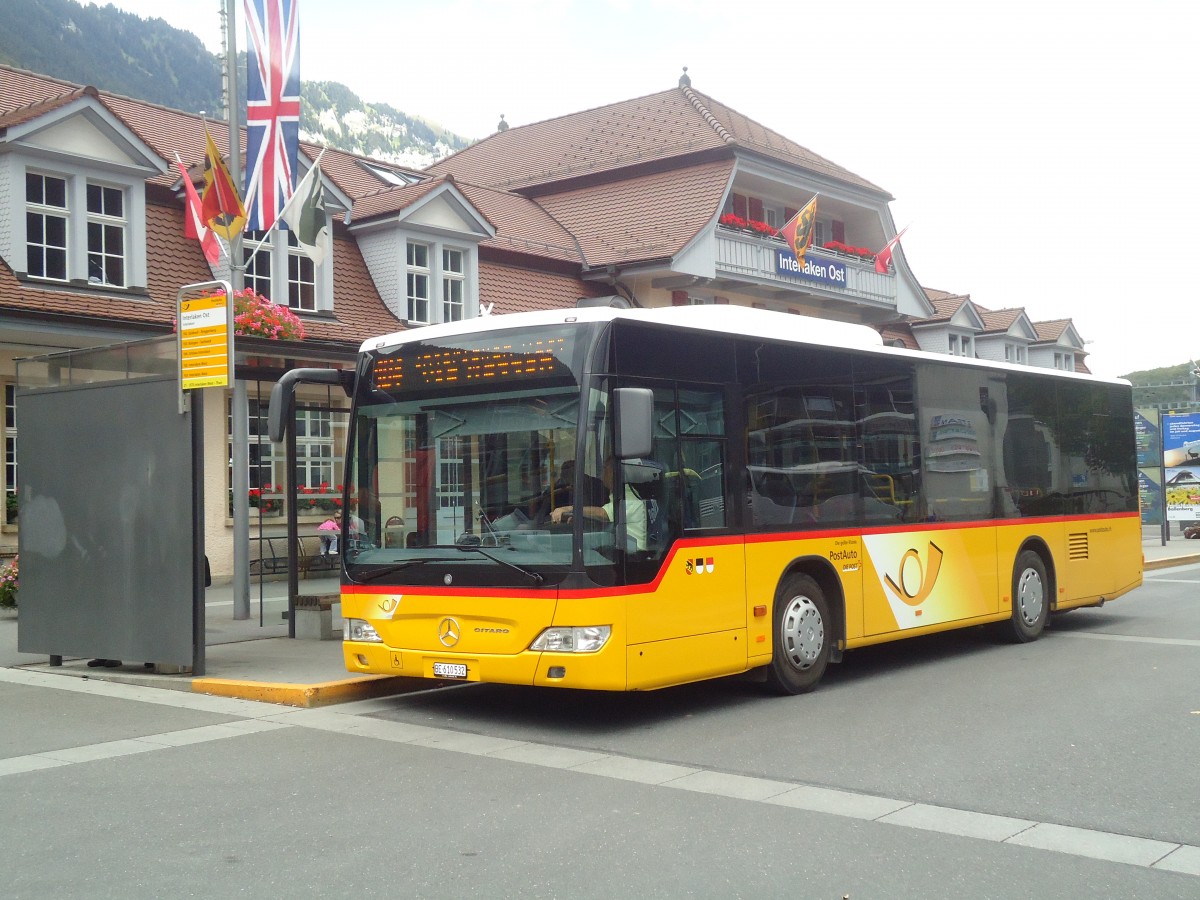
x=686, y=613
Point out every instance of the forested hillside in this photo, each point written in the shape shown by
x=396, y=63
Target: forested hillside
x=148, y=59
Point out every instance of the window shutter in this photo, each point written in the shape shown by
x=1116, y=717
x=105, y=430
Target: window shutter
x=756, y=209
x=679, y=298
x=839, y=231
x=739, y=205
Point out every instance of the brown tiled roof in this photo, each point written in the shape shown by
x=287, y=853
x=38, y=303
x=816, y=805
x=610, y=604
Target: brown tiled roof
x=999, y=319
x=1050, y=332
x=944, y=307
x=522, y=226
x=514, y=289
x=349, y=172
x=670, y=124
x=389, y=200
x=20, y=114
x=19, y=88
x=750, y=134
x=650, y=217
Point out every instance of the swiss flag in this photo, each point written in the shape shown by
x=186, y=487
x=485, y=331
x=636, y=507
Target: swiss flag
x=883, y=258
x=193, y=219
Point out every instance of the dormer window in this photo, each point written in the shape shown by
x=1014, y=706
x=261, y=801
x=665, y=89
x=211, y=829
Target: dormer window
x=302, y=277
x=418, y=282
x=64, y=214
x=46, y=219
x=961, y=345
x=106, y=234
x=425, y=255
x=423, y=307
x=453, y=281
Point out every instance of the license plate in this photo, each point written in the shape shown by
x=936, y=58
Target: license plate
x=450, y=670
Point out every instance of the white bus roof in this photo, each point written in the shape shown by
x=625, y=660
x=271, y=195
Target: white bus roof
x=723, y=319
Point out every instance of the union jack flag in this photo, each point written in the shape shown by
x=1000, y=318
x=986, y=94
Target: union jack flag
x=272, y=107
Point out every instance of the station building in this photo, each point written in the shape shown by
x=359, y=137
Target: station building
x=667, y=199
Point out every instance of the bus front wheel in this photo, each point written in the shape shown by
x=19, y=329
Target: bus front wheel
x=1030, y=598
x=802, y=636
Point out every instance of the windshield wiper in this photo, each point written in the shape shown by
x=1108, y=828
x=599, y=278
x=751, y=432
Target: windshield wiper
x=396, y=567
x=535, y=577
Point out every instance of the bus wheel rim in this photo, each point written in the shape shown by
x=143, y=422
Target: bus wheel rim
x=803, y=632
x=1031, y=596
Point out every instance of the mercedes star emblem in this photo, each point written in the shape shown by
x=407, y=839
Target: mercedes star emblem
x=448, y=632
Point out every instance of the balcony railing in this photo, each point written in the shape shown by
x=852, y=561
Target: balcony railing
x=767, y=259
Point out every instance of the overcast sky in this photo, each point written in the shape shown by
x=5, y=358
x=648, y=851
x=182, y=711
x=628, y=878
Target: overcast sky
x=1045, y=152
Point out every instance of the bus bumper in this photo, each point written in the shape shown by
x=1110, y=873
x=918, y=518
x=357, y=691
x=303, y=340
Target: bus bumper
x=603, y=670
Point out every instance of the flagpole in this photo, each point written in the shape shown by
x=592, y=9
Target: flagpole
x=240, y=412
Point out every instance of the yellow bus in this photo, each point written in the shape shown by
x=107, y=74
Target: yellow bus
x=627, y=499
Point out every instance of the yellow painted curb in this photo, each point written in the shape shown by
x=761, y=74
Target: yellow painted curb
x=1172, y=561
x=307, y=695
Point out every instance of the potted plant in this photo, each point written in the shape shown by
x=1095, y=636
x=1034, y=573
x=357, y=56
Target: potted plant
x=8, y=585
x=255, y=315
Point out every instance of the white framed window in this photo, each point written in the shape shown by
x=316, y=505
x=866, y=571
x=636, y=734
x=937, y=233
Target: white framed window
x=257, y=275
x=280, y=271
x=302, y=277
x=961, y=345
x=320, y=442
x=453, y=285
x=314, y=447
x=47, y=224
x=1014, y=353
x=80, y=230
x=1064, y=361
x=106, y=229
x=417, y=281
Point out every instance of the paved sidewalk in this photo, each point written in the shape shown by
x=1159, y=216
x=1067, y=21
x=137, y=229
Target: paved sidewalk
x=255, y=660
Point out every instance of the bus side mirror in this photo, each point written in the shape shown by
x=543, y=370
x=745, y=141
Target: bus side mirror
x=283, y=395
x=633, y=412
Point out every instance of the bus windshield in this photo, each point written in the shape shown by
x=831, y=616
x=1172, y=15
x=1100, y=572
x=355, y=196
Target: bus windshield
x=457, y=458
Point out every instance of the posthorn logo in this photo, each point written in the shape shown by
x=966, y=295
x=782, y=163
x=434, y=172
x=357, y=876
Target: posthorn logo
x=914, y=582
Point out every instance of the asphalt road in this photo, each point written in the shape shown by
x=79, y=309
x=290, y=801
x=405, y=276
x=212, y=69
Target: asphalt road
x=952, y=766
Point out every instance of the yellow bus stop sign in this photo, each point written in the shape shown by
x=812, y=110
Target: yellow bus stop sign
x=205, y=336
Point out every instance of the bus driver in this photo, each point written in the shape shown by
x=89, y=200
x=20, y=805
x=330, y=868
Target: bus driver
x=633, y=507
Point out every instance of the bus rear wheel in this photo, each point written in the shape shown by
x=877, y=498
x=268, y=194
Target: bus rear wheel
x=1030, y=598
x=802, y=636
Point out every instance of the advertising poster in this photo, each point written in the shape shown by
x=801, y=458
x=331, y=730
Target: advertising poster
x=1148, y=431
x=1150, y=495
x=1149, y=440
x=1181, y=466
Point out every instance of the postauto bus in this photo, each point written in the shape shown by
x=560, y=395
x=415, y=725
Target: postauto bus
x=626, y=499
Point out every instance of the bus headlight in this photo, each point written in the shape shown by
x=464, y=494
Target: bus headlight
x=361, y=630
x=582, y=639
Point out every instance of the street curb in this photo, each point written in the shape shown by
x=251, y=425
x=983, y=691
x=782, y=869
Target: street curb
x=308, y=695
x=1171, y=561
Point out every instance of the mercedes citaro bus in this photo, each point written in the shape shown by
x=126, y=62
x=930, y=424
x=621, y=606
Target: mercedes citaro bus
x=626, y=499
